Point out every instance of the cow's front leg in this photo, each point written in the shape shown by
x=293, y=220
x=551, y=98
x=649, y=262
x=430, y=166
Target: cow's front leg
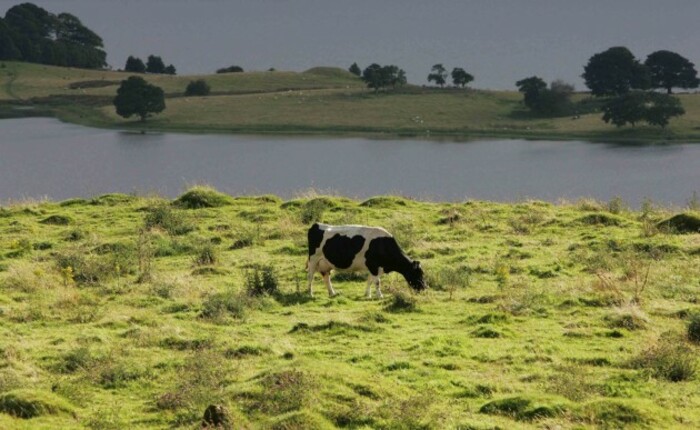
x=327, y=280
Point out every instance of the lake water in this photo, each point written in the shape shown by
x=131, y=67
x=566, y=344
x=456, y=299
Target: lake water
x=42, y=157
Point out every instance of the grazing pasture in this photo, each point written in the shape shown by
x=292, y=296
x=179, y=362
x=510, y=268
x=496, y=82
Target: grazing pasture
x=139, y=312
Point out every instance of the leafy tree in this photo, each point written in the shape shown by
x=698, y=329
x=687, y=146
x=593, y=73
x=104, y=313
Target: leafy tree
x=460, y=77
x=355, y=69
x=230, y=69
x=546, y=101
x=135, y=96
x=135, y=65
x=614, y=72
x=438, y=74
x=636, y=106
x=170, y=70
x=30, y=33
x=376, y=76
x=669, y=70
x=155, y=64
x=197, y=88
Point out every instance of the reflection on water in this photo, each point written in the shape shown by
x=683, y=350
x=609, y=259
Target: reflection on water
x=44, y=157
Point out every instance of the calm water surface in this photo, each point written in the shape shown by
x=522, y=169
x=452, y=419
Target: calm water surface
x=43, y=157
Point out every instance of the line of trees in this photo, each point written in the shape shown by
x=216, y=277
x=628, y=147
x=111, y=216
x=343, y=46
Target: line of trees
x=438, y=74
x=30, y=33
x=627, y=87
x=154, y=64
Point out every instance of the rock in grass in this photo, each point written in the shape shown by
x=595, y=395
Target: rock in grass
x=203, y=197
x=217, y=417
x=681, y=224
x=25, y=403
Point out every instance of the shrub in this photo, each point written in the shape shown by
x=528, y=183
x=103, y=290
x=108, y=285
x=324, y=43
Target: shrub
x=230, y=69
x=198, y=88
x=313, y=210
x=226, y=303
x=91, y=268
x=261, y=280
x=206, y=256
x=203, y=197
x=628, y=317
x=669, y=359
x=164, y=217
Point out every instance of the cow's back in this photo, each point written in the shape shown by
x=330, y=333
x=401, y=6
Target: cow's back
x=344, y=246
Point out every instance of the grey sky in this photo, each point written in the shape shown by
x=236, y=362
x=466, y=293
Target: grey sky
x=498, y=41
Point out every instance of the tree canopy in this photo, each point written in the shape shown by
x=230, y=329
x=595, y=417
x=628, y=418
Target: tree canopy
x=135, y=96
x=135, y=65
x=230, y=69
x=670, y=70
x=460, y=77
x=637, y=106
x=197, y=88
x=355, y=69
x=30, y=33
x=615, y=71
x=376, y=76
x=438, y=74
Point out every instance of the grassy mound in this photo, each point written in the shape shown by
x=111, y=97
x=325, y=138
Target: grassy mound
x=614, y=414
x=681, y=224
x=203, y=197
x=525, y=408
x=601, y=219
x=57, y=220
x=32, y=403
x=300, y=420
x=384, y=202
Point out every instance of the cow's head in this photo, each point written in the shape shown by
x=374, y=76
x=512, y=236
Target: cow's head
x=415, y=277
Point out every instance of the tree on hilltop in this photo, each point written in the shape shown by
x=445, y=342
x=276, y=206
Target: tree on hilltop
x=670, y=70
x=135, y=96
x=460, y=77
x=134, y=65
x=438, y=74
x=376, y=76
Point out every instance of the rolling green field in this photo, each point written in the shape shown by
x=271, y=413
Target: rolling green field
x=322, y=100
x=139, y=312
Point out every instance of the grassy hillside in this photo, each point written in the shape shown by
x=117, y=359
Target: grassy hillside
x=129, y=312
x=320, y=100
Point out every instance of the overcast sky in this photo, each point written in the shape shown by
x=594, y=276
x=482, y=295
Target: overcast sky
x=498, y=41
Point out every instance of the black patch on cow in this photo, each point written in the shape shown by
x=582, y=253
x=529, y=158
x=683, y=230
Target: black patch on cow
x=340, y=250
x=384, y=252
x=315, y=236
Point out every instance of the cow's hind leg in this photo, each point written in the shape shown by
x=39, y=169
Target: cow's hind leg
x=327, y=280
x=311, y=267
x=379, y=290
x=372, y=280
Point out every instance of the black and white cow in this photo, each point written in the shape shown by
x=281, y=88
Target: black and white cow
x=355, y=248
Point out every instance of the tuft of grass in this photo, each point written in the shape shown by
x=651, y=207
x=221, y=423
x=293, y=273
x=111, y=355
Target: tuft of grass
x=285, y=391
x=228, y=303
x=628, y=317
x=401, y=301
x=29, y=403
x=261, y=280
x=601, y=219
x=300, y=420
x=164, y=217
x=200, y=197
x=57, y=220
x=613, y=414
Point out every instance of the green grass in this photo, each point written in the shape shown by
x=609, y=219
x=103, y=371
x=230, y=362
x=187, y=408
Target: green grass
x=539, y=317
x=322, y=100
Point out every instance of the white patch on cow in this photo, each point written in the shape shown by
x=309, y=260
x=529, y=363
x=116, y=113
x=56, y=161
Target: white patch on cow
x=318, y=263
